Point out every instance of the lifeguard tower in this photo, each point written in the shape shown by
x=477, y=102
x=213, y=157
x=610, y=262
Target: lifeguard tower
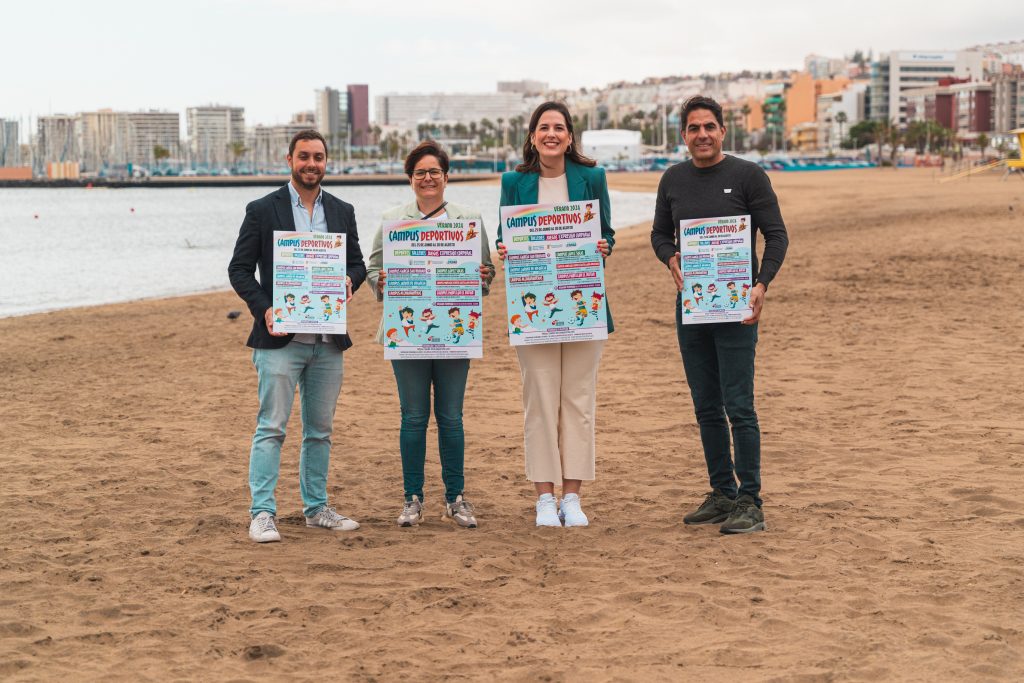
x=1016, y=164
x=1012, y=165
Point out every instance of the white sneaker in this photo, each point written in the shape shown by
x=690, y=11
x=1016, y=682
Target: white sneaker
x=328, y=518
x=570, y=511
x=547, y=511
x=263, y=528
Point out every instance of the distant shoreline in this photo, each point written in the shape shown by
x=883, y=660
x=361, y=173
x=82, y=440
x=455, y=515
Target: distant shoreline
x=231, y=181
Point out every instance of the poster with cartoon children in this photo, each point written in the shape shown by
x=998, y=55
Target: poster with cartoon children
x=309, y=282
x=554, y=273
x=717, y=269
x=432, y=293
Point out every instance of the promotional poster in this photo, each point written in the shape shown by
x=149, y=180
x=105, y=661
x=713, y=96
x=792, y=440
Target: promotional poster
x=433, y=298
x=554, y=273
x=309, y=282
x=715, y=262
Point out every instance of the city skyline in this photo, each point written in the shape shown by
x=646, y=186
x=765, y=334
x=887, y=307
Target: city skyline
x=157, y=59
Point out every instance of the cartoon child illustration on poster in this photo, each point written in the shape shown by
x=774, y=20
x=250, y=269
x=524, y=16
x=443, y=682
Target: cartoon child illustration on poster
x=595, y=303
x=743, y=224
x=745, y=292
x=394, y=341
x=713, y=293
x=289, y=304
x=338, y=242
x=687, y=307
x=581, y=307
x=328, y=310
x=589, y=213
x=551, y=303
x=474, y=318
x=277, y=315
x=529, y=300
x=458, y=328
x=408, y=324
x=307, y=304
x=698, y=295
x=518, y=326
x=427, y=316
x=338, y=303
x=471, y=232
x=734, y=296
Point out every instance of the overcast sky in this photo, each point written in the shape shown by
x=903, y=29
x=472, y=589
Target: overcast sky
x=269, y=55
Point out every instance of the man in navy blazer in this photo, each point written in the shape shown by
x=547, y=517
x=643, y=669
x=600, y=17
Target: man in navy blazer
x=313, y=362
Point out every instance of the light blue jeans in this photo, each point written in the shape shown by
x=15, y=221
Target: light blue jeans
x=317, y=369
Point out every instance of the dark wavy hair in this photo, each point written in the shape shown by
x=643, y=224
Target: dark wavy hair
x=531, y=158
x=426, y=148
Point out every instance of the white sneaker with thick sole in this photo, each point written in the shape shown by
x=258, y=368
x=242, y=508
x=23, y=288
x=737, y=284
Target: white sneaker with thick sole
x=263, y=528
x=328, y=518
x=570, y=511
x=547, y=511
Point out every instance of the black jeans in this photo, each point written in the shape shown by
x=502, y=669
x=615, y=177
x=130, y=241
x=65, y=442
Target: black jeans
x=719, y=363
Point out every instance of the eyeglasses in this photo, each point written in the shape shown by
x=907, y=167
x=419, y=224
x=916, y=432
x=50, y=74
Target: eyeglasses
x=421, y=173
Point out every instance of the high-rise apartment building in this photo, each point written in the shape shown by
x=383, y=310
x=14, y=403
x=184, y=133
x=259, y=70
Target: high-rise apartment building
x=56, y=140
x=406, y=112
x=150, y=130
x=894, y=73
x=1008, y=102
x=331, y=111
x=213, y=133
x=268, y=145
x=359, y=113
x=102, y=139
x=10, y=146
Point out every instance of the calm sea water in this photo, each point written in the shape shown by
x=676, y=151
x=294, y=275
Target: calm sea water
x=63, y=248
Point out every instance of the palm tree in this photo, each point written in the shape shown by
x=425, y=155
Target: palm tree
x=730, y=119
x=745, y=110
x=841, y=119
x=782, y=121
x=237, y=150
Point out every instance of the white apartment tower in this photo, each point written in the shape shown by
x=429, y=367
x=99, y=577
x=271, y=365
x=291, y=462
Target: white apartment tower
x=212, y=131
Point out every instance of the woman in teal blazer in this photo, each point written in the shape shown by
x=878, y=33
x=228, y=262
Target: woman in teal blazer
x=559, y=380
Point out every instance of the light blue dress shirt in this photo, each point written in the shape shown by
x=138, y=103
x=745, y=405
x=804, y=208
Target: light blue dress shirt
x=306, y=223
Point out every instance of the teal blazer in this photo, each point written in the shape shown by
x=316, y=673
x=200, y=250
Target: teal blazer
x=584, y=182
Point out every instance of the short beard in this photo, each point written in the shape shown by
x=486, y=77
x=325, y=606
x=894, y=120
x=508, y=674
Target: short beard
x=297, y=177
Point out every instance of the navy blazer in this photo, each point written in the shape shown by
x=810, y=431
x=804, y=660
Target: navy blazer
x=255, y=249
x=583, y=182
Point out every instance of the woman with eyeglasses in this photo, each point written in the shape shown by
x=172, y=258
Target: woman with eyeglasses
x=427, y=168
x=559, y=380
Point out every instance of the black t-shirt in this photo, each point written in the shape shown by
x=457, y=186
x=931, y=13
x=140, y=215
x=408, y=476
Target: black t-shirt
x=732, y=187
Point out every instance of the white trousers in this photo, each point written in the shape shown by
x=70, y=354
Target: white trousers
x=559, y=406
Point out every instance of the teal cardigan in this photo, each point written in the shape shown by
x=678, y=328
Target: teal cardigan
x=584, y=182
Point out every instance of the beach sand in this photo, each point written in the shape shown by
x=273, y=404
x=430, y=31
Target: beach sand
x=890, y=391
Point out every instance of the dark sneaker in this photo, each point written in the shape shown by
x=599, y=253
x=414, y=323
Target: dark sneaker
x=746, y=518
x=714, y=510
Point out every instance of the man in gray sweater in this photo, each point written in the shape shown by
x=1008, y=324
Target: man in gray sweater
x=719, y=357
